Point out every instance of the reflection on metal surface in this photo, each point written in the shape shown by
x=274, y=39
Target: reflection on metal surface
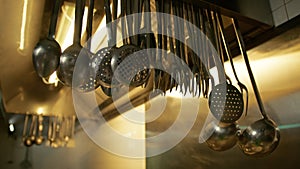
x=23, y=26
x=53, y=79
x=275, y=64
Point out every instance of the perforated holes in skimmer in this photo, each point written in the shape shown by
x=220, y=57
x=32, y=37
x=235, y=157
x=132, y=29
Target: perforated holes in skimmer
x=133, y=64
x=226, y=103
x=101, y=63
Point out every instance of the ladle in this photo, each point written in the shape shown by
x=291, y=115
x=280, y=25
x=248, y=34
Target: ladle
x=69, y=57
x=39, y=139
x=261, y=137
x=24, y=135
x=223, y=136
x=46, y=53
x=29, y=140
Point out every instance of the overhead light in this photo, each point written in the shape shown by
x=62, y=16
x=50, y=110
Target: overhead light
x=11, y=128
x=40, y=111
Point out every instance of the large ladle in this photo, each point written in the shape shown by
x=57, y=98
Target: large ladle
x=261, y=137
x=224, y=132
x=223, y=136
x=46, y=53
x=69, y=57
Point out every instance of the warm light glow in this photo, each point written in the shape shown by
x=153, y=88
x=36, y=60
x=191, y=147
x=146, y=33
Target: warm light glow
x=253, y=133
x=66, y=26
x=53, y=79
x=40, y=110
x=11, y=127
x=23, y=25
x=218, y=129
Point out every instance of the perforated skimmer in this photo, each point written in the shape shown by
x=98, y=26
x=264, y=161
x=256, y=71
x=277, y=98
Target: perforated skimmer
x=225, y=100
x=226, y=103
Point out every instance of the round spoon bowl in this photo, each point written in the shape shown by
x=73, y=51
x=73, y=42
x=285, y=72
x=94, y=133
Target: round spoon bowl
x=39, y=140
x=260, y=138
x=45, y=57
x=67, y=65
x=223, y=137
x=28, y=142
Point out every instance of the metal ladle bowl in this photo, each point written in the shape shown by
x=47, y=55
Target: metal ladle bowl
x=68, y=60
x=46, y=57
x=223, y=137
x=260, y=138
x=46, y=53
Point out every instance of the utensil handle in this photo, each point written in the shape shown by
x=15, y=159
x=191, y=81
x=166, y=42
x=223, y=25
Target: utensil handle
x=25, y=126
x=115, y=23
x=32, y=129
x=227, y=50
x=123, y=24
x=108, y=22
x=89, y=26
x=226, y=46
x=53, y=20
x=79, y=8
x=245, y=56
x=40, y=125
x=115, y=10
x=147, y=22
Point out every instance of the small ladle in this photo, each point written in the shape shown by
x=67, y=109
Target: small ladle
x=69, y=57
x=29, y=140
x=261, y=137
x=46, y=53
x=24, y=134
x=223, y=136
x=39, y=138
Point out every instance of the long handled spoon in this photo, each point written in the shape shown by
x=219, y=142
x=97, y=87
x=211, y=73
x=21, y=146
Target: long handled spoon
x=70, y=55
x=45, y=56
x=261, y=137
